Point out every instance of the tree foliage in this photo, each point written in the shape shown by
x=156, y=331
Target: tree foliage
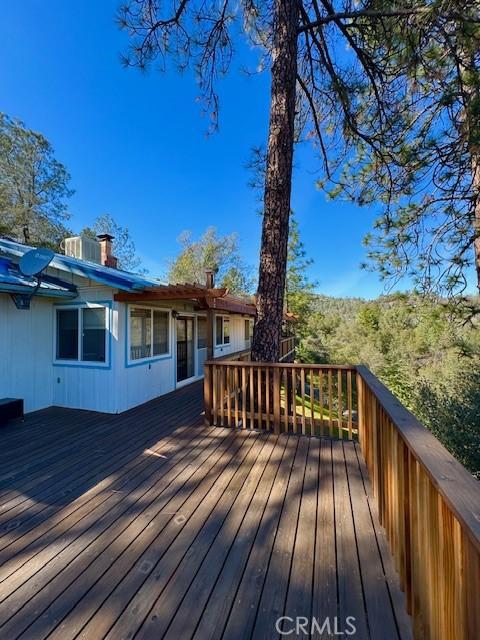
x=426, y=180
x=214, y=252
x=419, y=350
x=299, y=288
x=123, y=244
x=34, y=186
x=334, y=80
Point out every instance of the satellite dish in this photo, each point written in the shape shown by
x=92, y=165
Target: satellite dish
x=31, y=264
x=35, y=261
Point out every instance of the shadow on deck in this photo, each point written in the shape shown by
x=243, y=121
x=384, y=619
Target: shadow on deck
x=151, y=525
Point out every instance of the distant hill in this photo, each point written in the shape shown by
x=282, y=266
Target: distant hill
x=341, y=306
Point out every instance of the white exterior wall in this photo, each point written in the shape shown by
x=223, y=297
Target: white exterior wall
x=237, y=337
x=27, y=357
x=140, y=382
x=26, y=339
x=80, y=386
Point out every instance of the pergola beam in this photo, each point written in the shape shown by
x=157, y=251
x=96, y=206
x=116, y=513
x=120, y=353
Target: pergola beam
x=169, y=293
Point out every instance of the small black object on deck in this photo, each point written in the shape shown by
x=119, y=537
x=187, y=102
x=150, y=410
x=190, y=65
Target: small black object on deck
x=10, y=408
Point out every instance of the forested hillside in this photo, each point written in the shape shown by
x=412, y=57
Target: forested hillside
x=423, y=353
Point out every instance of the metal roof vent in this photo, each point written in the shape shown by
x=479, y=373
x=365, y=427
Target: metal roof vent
x=83, y=248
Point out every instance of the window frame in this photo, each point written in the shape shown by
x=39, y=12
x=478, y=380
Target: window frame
x=247, y=323
x=78, y=362
x=203, y=318
x=223, y=343
x=151, y=358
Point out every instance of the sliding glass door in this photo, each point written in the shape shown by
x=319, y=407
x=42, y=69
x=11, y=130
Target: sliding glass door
x=185, y=348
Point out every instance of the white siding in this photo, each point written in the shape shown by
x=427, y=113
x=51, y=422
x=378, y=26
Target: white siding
x=28, y=369
x=26, y=339
x=83, y=387
x=142, y=381
x=237, y=337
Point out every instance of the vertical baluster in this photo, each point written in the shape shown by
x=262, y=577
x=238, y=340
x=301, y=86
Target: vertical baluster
x=302, y=388
x=312, y=403
x=267, y=396
x=215, y=394
x=244, y=397
x=221, y=372
x=276, y=400
x=294, y=399
x=340, y=402
x=330, y=403
x=286, y=401
x=235, y=386
x=252, y=398
x=349, y=404
x=229, y=395
x=320, y=399
x=259, y=398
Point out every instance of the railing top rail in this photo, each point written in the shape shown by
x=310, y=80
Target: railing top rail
x=279, y=365
x=226, y=356
x=459, y=489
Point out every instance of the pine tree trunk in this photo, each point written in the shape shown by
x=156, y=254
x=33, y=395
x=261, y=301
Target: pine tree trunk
x=471, y=92
x=278, y=179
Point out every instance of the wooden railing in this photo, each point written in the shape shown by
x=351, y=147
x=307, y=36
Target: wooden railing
x=427, y=502
x=287, y=350
x=429, y=506
x=308, y=399
x=235, y=355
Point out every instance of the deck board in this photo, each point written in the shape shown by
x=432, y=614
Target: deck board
x=150, y=525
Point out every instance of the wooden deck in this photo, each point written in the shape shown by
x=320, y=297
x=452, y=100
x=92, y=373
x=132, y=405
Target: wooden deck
x=151, y=525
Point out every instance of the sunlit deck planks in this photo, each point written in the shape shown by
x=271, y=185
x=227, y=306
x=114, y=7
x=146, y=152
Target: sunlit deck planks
x=150, y=525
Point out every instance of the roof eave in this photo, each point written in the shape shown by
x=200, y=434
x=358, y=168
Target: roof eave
x=44, y=293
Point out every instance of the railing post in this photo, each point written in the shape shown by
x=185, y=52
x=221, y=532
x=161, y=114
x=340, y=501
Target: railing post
x=360, y=412
x=208, y=393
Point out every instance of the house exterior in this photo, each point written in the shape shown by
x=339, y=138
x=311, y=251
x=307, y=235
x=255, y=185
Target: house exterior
x=99, y=338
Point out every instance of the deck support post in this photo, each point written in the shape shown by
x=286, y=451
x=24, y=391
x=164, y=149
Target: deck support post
x=208, y=394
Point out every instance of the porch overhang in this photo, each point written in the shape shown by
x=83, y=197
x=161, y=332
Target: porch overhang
x=170, y=292
x=231, y=305
x=206, y=298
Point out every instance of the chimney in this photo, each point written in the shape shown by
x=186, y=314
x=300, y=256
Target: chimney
x=106, y=257
x=209, y=278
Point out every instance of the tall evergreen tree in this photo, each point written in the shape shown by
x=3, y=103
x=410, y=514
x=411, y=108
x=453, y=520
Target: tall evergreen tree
x=322, y=66
x=34, y=186
x=299, y=288
x=429, y=190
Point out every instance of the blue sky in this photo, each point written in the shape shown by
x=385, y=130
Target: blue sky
x=136, y=144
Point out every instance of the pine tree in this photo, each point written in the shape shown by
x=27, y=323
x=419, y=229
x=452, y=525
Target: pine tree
x=328, y=82
x=299, y=288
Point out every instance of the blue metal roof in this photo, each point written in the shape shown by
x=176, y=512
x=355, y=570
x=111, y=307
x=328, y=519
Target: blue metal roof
x=12, y=281
x=115, y=278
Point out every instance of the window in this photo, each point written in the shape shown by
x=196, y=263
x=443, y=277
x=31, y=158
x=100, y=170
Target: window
x=93, y=335
x=222, y=330
x=201, y=333
x=160, y=332
x=149, y=333
x=81, y=334
x=67, y=334
x=247, y=330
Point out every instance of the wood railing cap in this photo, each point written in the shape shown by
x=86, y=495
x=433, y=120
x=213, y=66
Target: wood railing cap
x=280, y=365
